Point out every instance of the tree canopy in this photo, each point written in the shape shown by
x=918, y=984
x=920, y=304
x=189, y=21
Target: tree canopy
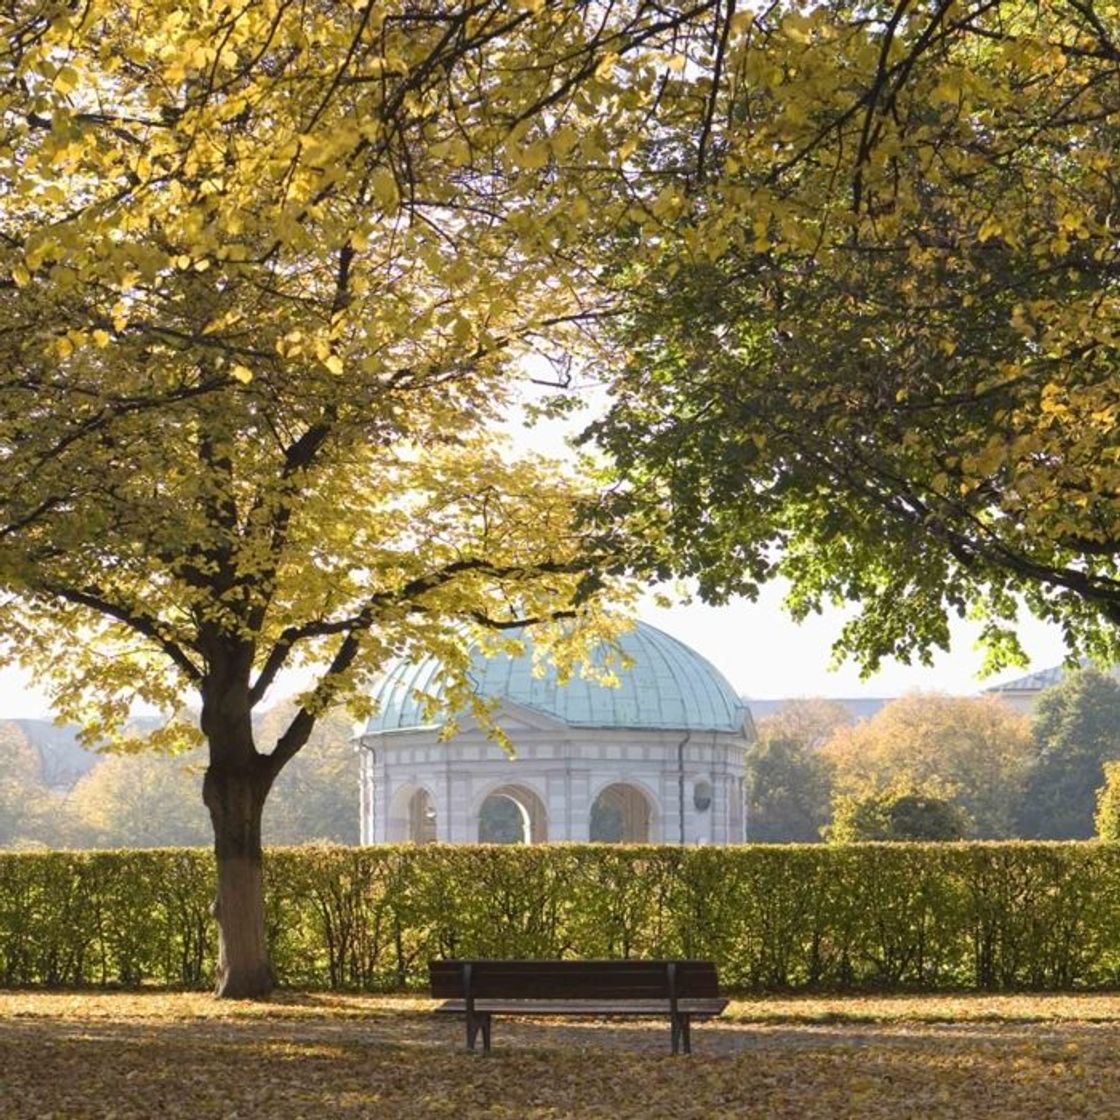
x=876, y=351
x=789, y=781
x=977, y=753
x=265, y=276
x=897, y=815
x=266, y=273
x=1076, y=733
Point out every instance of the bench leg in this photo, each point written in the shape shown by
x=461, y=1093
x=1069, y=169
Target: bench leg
x=680, y=1033
x=476, y=1023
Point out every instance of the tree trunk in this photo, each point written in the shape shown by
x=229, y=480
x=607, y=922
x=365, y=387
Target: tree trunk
x=235, y=798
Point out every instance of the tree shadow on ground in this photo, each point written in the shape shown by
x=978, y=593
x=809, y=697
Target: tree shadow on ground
x=412, y=1065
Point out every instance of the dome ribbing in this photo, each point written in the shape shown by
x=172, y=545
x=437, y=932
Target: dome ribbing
x=668, y=687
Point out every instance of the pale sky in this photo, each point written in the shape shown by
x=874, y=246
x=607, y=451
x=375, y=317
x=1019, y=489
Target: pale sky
x=765, y=655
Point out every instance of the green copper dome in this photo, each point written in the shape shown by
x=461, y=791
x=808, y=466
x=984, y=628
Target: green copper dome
x=669, y=687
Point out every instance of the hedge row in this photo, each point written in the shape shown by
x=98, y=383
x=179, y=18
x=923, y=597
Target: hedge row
x=932, y=916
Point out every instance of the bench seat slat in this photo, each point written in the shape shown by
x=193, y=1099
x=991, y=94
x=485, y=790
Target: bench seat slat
x=574, y=979
x=487, y=988
x=701, y=1008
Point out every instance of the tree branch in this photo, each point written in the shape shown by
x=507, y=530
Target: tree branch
x=407, y=595
x=93, y=598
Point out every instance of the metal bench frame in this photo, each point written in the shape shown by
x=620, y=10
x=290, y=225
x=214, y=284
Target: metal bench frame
x=480, y=989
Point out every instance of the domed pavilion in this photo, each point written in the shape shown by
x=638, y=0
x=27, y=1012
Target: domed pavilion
x=658, y=759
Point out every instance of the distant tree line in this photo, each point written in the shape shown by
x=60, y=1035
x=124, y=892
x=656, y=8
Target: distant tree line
x=149, y=800
x=935, y=767
x=925, y=767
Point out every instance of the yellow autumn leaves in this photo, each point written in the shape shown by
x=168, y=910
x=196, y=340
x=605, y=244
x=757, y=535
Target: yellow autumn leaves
x=803, y=1059
x=233, y=235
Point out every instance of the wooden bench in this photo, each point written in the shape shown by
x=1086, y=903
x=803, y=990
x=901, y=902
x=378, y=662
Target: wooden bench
x=682, y=990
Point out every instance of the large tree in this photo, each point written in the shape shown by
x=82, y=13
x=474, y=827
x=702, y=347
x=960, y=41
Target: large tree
x=877, y=353
x=265, y=274
x=974, y=751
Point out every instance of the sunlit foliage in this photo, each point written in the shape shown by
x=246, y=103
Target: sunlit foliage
x=266, y=273
x=876, y=352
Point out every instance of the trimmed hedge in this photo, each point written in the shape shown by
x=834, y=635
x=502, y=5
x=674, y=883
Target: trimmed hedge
x=920, y=916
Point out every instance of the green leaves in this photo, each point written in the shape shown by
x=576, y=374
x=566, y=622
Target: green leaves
x=870, y=352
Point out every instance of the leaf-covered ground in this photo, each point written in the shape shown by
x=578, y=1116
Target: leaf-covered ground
x=186, y=1055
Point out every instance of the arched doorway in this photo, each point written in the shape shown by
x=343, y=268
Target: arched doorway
x=621, y=814
x=412, y=818
x=512, y=814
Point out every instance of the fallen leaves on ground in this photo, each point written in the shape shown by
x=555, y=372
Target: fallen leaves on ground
x=171, y=1055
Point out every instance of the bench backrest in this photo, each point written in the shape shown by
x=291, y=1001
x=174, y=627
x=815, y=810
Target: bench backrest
x=573, y=979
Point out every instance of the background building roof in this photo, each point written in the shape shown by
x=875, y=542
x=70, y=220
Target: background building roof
x=669, y=687
x=858, y=707
x=1032, y=682
x=1047, y=678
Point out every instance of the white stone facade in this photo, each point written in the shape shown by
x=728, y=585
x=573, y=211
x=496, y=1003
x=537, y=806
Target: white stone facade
x=568, y=783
